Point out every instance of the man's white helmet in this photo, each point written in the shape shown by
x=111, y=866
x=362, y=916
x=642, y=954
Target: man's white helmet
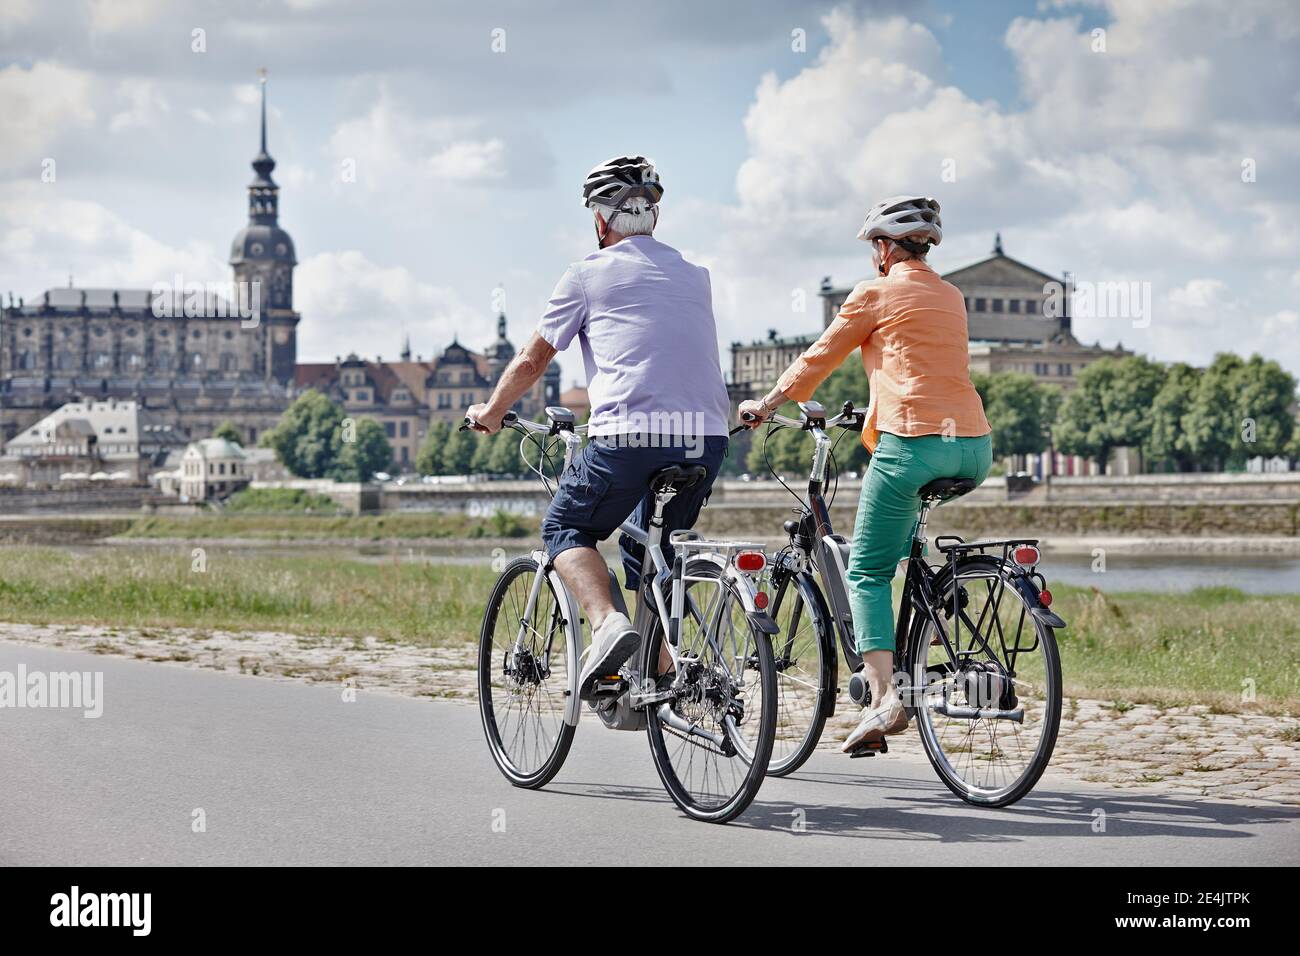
x=914, y=218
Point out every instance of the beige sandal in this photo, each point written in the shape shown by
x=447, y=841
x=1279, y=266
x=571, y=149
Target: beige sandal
x=876, y=724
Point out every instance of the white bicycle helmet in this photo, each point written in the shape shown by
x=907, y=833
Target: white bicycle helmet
x=617, y=184
x=908, y=220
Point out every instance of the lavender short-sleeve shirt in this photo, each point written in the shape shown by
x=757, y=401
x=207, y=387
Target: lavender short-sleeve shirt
x=643, y=316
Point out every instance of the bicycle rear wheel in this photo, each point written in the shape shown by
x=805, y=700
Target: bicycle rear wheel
x=711, y=737
x=990, y=710
x=525, y=684
x=804, y=654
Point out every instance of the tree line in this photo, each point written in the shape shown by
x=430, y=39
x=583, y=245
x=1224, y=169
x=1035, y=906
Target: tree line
x=1179, y=418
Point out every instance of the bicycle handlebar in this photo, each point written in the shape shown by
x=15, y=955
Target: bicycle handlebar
x=845, y=419
x=510, y=420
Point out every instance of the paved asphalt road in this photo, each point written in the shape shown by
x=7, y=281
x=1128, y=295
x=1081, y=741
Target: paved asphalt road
x=287, y=773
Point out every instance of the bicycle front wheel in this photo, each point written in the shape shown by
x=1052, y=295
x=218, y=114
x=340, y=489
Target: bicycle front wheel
x=988, y=702
x=713, y=721
x=804, y=654
x=527, y=673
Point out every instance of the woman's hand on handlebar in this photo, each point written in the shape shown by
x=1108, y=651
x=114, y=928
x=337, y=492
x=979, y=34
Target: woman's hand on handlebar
x=752, y=413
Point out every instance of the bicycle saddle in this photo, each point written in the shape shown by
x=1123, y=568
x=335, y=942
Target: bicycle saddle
x=944, y=489
x=677, y=477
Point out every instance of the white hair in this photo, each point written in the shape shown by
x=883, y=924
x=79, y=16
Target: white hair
x=638, y=220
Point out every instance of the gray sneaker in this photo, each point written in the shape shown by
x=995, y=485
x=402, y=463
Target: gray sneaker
x=611, y=645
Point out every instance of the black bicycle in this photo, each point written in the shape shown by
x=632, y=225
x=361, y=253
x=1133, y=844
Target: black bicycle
x=976, y=658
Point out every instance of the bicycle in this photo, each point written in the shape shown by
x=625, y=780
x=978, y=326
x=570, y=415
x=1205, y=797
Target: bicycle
x=957, y=674
x=710, y=717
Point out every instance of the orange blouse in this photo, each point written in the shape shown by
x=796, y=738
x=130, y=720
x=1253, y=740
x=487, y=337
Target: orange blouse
x=911, y=327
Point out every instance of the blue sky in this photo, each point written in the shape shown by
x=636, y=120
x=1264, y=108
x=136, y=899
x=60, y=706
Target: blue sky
x=1119, y=164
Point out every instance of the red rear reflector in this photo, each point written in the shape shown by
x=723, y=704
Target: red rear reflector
x=1045, y=597
x=751, y=561
x=1026, y=556
x=760, y=600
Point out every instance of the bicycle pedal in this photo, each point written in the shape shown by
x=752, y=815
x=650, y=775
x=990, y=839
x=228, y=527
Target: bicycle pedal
x=610, y=686
x=870, y=748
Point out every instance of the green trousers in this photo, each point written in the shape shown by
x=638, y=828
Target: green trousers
x=887, y=516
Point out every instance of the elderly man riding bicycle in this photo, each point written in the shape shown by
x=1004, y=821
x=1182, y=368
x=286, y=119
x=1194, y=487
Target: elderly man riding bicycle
x=643, y=316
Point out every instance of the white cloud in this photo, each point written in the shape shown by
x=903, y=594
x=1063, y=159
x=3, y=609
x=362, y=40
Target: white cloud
x=358, y=305
x=41, y=104
x=1123, y=164
x=45, y=234
x=146, y=105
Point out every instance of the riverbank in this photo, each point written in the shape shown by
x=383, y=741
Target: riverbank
x=441, y=528
x=1207, y=646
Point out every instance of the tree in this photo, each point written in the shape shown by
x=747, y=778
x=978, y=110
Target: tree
x=428, y=460
x=229, y=432
x=1211, y=422
x=307, y=438
x=1015, y=405
x=1110, y=408
x=368, y=453
x=1169, y=443
x=457, y=453
x=1266, y=396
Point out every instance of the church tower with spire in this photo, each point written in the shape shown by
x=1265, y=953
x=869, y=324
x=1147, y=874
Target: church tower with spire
x=263, y=253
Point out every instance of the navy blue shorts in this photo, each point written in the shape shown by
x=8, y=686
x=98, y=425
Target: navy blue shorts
x=609, y=480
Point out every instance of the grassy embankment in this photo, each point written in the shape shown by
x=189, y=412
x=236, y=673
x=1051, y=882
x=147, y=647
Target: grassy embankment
x=1160, y=648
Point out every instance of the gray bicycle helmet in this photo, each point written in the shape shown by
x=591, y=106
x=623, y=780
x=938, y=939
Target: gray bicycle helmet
x=618, y=181
x=909, y=220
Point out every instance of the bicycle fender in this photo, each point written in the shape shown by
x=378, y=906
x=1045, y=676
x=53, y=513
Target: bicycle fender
x=1029, y=591
x=573, y=619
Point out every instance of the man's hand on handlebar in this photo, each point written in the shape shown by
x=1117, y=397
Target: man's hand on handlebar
x=481, y=418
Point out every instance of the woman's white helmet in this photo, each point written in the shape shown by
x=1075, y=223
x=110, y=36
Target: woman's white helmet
x=911, y=218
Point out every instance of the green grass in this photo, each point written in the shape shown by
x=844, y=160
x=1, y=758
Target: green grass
x=1204, y=646
x=419, y=603
x=1126, y=649
x=281, y=501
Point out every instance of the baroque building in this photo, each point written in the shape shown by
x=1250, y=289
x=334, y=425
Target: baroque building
x=1019, y=321
x=181, y=352
x=407, y=396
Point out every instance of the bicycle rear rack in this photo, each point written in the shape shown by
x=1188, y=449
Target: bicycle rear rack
x=691, y=541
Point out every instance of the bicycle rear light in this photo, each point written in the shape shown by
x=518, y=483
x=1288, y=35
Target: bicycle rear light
x=760, y=600
x=751, y=562
x=1025, y=555
x=1045, y=597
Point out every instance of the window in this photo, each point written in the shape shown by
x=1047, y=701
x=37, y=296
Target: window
x=1063, y=369
x=997, y=305
x=405, y=429
x=221, y=468
x=980, y=305
x=444, y=400
x=363, y=395
x=1014, y=304
x=1031, y=307
x=101, y=361
x=229, y=363
x=390, y=430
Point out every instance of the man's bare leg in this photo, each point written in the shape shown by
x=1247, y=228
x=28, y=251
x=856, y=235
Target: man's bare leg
x=586, y=575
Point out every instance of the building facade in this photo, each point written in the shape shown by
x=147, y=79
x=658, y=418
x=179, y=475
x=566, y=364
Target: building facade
x=180, y=350
x=405, y=397
x=212, y=468
x=84, y=439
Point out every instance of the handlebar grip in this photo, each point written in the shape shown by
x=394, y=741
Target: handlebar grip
x=737, y=430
